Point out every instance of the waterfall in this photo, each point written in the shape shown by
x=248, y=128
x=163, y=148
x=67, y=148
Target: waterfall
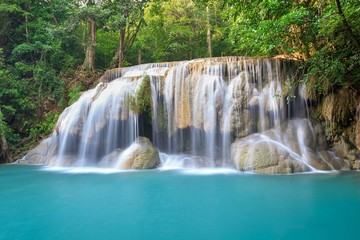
x=215, y=112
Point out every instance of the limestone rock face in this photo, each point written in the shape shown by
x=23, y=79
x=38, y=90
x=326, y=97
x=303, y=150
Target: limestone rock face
x=339, y=108
x=140, y=155
x=357, y=165
x=43, y=153
x=263, y=156
x=358, y=127
x=345, y=150
x=336, y=162
x=320, y=135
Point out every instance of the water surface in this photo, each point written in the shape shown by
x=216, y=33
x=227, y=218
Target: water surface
x=38, y=203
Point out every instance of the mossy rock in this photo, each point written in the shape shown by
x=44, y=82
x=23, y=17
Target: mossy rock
x=140, y=155
x=267, y=157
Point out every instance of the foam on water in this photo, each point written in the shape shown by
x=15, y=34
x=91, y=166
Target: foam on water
x=84, y=170
x=210, y=171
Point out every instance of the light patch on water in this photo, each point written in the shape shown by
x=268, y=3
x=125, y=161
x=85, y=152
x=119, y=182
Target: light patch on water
x=82, y=170
x=209, y=171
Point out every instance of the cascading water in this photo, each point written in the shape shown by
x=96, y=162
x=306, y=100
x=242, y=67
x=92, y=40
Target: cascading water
x=218, y=112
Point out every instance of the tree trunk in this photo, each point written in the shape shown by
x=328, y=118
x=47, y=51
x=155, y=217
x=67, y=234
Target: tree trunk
x=208, y=30
x=119, y=56
x=139, y=56
x=191, y=43
x=89, y=62
x=121, y=47
x=84, y=36
x=5, y=156
x=346, y=25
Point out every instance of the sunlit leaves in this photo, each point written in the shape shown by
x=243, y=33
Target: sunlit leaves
x=309, y=30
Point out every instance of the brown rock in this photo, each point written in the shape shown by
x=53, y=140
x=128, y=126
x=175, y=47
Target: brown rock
x=260, y=156
x=140, y=155
x=357, y=128
x=340, y=107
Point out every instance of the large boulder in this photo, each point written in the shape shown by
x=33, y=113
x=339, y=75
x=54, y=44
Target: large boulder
x=274, y=152
x=257, y=155
x=140, y=155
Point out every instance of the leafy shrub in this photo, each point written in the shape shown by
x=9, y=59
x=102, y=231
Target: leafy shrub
x=45, y=127
x=75, y=93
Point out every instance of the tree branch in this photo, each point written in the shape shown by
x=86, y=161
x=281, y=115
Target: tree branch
x=346, y=25
x=133, y=39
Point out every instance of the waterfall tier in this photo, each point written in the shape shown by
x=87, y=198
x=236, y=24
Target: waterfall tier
x=218, y=112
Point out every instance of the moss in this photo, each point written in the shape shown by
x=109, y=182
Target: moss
x=45, y=127
x=333, y=130
x=161, y=117
x=141, y=102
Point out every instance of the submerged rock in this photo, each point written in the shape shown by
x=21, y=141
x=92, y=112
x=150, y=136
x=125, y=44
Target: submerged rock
x=110, y=159
x=140, y=155
x=64, y=161
x=185, y=161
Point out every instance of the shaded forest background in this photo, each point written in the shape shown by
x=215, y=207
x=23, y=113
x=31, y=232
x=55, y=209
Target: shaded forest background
x=52, y=50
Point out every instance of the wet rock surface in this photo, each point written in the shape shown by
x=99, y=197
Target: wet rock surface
x=44, y=153
x=140, y=155
x=259, y=155
x=290, y=148
x=110, y=159
x=348, y=152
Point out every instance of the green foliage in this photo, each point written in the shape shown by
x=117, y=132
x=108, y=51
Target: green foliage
x=39, y=53
x=10, y=135
x=141, y=102
x=336, y=62
x=45, y=127
x=23, y=69
x=272, y=27
x=309, y=30
x=176, y=30
x=75, y=93
x=14, y=95
x=105, y=48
